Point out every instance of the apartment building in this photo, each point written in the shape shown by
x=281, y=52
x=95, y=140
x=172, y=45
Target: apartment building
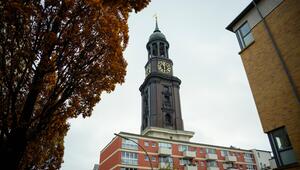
x=125, y=152
x=268, y=32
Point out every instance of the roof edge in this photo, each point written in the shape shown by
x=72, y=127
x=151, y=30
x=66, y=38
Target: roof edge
x=241, y=15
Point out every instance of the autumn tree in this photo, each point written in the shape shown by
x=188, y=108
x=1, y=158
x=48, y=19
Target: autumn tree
x=57, y=57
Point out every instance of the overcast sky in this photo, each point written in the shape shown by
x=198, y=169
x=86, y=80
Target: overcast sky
x=216, y=100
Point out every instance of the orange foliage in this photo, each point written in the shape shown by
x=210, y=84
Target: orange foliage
x=57, y=57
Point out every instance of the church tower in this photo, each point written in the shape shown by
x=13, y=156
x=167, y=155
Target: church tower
x=160, y=89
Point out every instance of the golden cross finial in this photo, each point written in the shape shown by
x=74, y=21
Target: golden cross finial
x=156, y=25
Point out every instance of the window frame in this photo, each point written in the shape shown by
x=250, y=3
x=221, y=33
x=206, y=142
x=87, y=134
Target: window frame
x=129, y=158
x=241, y=37
x=277, y=151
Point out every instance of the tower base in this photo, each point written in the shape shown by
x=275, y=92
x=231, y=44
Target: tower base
x=170, y=134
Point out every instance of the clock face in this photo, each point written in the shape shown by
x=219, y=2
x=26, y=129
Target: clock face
x=164, y=67
x=148, y=69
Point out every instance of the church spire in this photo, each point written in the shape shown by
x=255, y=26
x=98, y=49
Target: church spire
x=156, y=24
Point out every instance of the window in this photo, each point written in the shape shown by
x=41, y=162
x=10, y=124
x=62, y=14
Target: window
x=129, y=169
x=183, y=148
x=146, y=143
x=210, y=151
x=212, y=164
x=224, y=153
x=201, y=163
x=153, y=159
x=129, y=144
x=153, y=145
x=162, y=49
x=154, y=49
x=282, y=148
x=129, y=158
x=167, y=159
x=244, y=35
x=250, y=167
x=165, y=145
x=185, y=162
x=248, y=157
x=146, y=158
x=202, y=150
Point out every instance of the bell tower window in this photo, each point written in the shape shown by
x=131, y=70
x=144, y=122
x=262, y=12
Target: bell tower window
x=162, y=50
x=168, y=120
x=154, y=49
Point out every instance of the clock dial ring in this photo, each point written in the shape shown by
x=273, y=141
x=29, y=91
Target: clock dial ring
x=164, y=67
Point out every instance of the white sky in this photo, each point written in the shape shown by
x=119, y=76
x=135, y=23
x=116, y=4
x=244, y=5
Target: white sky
x=216, y=100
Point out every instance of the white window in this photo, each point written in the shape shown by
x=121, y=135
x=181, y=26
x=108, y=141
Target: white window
x=184, y=161
x=153, y=159
x=248, y=157
x=183, y=148
x=250, y=167
x=129, y=158
x=165, y=145
x=244, y=35
x=224, y=153
x=210, y=151
x=146, y=143
x=146, y=158
x=167, y=159
x=129, y=144
x=212, y=164
x=153, y=145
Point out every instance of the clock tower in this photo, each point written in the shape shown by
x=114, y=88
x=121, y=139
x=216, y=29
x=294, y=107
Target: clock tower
x=160, y=89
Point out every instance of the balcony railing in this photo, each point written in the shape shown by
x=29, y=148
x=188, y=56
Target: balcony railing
x=213, y=168
x=165, y=165
x=165, y=151
x=190, y=167
x=230, y=159
x=211, y=156
x=189, y=154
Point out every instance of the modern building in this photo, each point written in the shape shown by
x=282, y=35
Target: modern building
x=262, y=159
x=163, y=142
x=268, y=32
x=124, y=154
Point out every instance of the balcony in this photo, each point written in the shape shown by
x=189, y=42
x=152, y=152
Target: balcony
x=211, y=156
x=229, y=166
x=190, y=167
x=165, y=165
x=189, y=154
x=213, y=168
x=165, y=151
x=230, y=159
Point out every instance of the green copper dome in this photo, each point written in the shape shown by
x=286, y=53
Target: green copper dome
x=157, y=35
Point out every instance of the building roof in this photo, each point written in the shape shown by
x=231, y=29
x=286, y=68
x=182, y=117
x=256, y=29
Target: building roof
x=241, y=15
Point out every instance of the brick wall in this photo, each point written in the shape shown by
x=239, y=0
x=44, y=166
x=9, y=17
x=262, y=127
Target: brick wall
x=276, y=103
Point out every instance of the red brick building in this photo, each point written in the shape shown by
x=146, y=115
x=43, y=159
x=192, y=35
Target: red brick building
x=122, y=154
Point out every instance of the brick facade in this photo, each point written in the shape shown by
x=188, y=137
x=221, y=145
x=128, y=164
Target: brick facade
x=275, y=98
x=151, y=145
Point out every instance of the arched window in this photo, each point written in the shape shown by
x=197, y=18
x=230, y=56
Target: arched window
x=168, y=120
x=154, y=49
x=162, y=50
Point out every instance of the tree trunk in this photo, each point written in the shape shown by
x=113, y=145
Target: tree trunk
x=12, y=149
